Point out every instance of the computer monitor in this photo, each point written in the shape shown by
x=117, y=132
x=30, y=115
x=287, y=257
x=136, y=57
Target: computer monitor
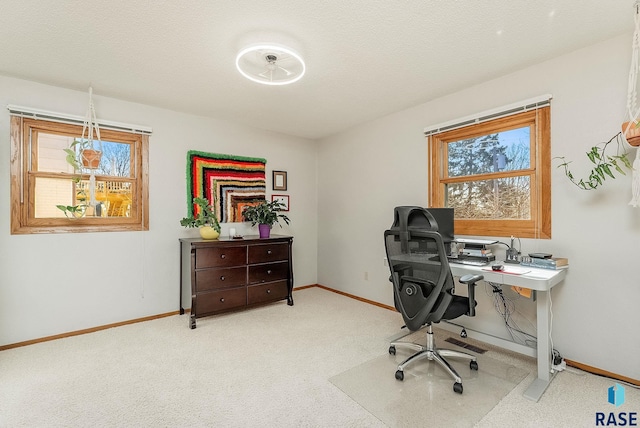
x=445, y=219
x=411, y=217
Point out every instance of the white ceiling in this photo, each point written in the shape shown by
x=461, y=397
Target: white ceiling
x=365, y=58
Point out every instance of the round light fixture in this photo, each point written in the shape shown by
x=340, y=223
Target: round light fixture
x=270, y=64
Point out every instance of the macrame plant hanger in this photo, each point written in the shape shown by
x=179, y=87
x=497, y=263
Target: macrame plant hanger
x=631, y=129
x=90, y=127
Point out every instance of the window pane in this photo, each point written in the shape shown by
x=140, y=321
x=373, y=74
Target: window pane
x=115, y=161
x=505, y=199
x=113, y=198
x=51, y=192
x=502, y=151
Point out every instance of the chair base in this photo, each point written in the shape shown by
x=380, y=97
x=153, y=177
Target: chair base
x=430, y=352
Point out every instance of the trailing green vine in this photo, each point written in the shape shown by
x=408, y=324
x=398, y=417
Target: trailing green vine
x=605, y=165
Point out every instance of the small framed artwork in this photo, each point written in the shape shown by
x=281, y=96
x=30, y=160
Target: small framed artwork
x=279, y=180
x=283, y=199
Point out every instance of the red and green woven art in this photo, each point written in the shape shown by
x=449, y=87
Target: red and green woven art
x=236, y=181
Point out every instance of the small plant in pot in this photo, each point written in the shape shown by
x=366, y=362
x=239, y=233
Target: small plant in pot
x=265, y=215
x=205, y=220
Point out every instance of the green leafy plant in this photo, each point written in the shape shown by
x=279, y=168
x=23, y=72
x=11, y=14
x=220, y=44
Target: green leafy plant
x=265, y=213
x=205, y=217
x=604, y=165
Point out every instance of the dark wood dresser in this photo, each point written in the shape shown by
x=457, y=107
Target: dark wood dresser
x=230, y=274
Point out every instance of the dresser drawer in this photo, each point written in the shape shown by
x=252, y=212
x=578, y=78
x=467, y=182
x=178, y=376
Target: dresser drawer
x=268, y=253
x=218, y=301
x=267, y=292
x=210, y=279
x=268, y=272
x=221, y=257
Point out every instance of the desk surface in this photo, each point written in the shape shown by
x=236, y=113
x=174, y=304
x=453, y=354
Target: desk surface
x=534, y=278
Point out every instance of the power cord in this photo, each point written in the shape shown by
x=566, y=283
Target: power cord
x=506, y=308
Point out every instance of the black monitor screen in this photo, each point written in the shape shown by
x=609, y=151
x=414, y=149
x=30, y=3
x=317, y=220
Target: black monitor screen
x=445, y=218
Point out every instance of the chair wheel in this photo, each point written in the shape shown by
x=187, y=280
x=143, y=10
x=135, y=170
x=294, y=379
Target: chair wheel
x=400, y=375
x=392, y=350
x=473, y=365
x=457, y=387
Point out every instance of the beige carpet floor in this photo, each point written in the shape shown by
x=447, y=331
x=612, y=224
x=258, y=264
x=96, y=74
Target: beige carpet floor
x=267, y=367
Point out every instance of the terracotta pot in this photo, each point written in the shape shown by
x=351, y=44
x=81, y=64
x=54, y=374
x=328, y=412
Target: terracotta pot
x=91, y=158
x=632, y=135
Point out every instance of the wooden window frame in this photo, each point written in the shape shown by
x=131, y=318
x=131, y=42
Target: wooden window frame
x=23, y=154
x=539, y=226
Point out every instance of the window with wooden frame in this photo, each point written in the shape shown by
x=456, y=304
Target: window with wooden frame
x=43, y=182
x=496, y=175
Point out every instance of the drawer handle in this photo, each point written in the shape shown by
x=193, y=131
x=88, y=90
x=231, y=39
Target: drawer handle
x=268, y=291
x=222, y=300
x=269, y=272
x=222, y=256
x=269, y=251
x=222, y=278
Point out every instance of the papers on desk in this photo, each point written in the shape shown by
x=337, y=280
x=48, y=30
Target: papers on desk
x=513, y=270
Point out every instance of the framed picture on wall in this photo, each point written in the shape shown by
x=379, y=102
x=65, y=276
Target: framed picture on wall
x=279, y=180
x=283, y=199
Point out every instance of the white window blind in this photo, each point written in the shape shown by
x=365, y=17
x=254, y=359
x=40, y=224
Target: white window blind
x=508, y=110
x=75, y=120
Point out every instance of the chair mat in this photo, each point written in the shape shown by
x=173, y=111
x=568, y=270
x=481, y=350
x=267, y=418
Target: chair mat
x=426, y=397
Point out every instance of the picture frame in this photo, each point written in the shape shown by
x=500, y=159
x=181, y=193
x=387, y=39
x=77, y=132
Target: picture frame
x=284, y=199
x=279, y=180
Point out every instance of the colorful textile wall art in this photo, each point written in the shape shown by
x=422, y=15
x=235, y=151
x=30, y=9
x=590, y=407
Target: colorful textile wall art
x=235, y=182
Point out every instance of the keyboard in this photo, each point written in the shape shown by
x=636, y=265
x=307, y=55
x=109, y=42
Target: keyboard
x=469, y=262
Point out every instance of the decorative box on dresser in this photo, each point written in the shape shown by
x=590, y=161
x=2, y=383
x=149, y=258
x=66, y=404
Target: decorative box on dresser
x=230, y=274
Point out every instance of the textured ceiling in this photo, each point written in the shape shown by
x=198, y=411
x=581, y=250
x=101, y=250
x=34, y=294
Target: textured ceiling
x=365, y=58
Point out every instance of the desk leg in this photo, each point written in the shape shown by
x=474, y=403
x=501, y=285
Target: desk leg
x=537, y=388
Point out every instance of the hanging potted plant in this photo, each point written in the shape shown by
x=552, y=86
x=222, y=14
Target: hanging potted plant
x=205, y=220
x=76, y=160
x=84, y=153
x=265, y=215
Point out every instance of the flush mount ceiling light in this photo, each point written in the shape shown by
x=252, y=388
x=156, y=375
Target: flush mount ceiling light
x=270, y=64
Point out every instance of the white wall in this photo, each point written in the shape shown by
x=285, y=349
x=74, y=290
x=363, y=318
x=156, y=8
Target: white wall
x=56, y=283
x=365, y=172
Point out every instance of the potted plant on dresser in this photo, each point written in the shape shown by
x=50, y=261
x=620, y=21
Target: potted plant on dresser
x=205, y=220
x=265, y=215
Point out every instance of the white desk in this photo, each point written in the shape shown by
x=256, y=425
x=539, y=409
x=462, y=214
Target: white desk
x=541, y=280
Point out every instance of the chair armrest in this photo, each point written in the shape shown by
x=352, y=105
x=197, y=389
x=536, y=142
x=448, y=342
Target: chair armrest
x=471, y=280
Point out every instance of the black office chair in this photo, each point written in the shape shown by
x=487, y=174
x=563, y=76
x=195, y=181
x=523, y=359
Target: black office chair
x=424, y=294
